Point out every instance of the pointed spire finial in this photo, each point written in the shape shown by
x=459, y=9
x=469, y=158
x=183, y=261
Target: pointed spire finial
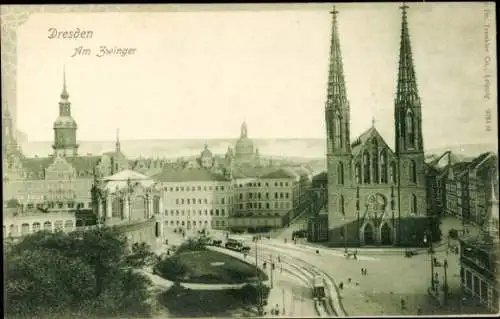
x=373, y=121
x=64, y=94
x=336, y=83
x=117, y=140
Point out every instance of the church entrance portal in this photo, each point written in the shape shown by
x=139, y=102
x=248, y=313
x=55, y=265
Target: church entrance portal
x=385, y=235
x=368, y=235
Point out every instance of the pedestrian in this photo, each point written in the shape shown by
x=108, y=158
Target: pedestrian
x=419, y=311
x=402, y=304
x=362, y=271
x=279, y=260
x=366, y=271
x=349, y=280
x=356, y=256
x=341, y=285
x=317, y=251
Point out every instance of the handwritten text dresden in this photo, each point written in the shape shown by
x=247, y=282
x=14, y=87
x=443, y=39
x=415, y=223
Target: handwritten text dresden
x=70, y=34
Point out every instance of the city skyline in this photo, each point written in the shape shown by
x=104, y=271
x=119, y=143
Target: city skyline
x=271, y=67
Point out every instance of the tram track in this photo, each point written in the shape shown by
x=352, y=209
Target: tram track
x=304, y=267
x=306, y=272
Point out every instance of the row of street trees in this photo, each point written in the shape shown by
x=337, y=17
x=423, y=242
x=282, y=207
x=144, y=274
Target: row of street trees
x=87, y=275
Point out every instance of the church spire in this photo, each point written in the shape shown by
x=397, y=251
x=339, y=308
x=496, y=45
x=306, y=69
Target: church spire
x=336, y=82
x=407, y=111
x=337, y=107
x=407, y=91
x=64, y=93
x=117, y=144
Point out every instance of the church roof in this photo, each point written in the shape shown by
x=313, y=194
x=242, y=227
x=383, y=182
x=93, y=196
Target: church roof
x=188, y=175
x=360, y=142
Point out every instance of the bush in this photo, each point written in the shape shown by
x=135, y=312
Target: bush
x=59, y=274
x=192, y=245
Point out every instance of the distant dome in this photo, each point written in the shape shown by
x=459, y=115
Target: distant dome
x=65, y=121
x=244, y=146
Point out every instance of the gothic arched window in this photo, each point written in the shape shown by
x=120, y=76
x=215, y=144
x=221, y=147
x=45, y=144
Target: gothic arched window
x=383, y=167
x=366, y=167
x=340, y=174
x=410, y=129
x=338, y=130
x=393, y=172
x=413, y=204
x=357, y=173
x=412, y=171
x=375, y=161
x=341, y=205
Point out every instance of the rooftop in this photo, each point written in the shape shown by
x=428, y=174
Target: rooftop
x=188, y=175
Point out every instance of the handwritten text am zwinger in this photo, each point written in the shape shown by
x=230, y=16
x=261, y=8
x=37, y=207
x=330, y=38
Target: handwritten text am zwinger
x=104, y=50
x=76, y=33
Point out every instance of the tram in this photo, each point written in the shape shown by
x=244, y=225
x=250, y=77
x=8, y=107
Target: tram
x=318, y=288
x=236, y=244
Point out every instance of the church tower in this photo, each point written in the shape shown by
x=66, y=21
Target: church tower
x=337, y=117
x=408, y=131
x=9, y=142
x=65, y=127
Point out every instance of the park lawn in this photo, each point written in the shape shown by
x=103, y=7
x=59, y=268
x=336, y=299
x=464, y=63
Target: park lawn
x=211, y=267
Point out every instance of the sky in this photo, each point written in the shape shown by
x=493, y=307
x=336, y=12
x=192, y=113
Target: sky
x=199, y=73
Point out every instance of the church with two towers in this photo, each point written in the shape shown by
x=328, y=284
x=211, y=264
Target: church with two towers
x=376, y=195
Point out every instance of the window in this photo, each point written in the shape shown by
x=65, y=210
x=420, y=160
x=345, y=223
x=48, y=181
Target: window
x=287, y=195
x=412, y=171
x=188, y=201
x=267, y=206
x=211, y=212
x=276, y=195
x=222, y=212
x=194, y=200
x=410, y=129
x=199, y=188
x=383, y=167
x=338, y=130
x=357, y=173
x=341, y=205
x=413, y=204
x=393, y=172
x=340, y=174
x=281, y=195
x=366, y=167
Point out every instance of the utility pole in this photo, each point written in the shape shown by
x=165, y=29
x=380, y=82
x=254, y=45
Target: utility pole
x=260, y=309
x=271, y=268
x=445, y=288
x=283, y=294
x=432, y=259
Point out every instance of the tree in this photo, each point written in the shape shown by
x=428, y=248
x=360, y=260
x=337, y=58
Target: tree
x=12, y=203
x=73, y=275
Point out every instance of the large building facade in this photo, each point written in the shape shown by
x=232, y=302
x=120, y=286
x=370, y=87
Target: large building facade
x=194, y=199
x=58, y=192
x=375, y=194
x=479, y=258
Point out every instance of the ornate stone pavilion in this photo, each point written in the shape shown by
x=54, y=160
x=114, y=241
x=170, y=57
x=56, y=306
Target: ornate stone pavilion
x=127, y=197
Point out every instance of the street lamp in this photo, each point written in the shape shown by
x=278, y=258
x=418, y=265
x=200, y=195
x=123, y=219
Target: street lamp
x=432, y=261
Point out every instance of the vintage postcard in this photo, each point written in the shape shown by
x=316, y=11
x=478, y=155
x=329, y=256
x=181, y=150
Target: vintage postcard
x=250, y=160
